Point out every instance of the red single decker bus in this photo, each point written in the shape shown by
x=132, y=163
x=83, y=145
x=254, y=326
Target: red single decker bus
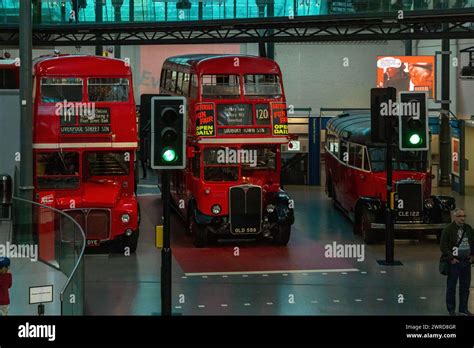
x=356, y=182
x=237, y=122
x=84, y=142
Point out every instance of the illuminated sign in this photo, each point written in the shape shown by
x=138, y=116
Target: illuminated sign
x=407, y=73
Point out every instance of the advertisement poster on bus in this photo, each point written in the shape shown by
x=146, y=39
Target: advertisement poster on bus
x=407, y=73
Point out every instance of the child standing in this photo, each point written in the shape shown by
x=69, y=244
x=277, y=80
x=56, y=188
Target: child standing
x=5, y=284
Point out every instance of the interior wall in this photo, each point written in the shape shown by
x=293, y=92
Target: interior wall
x=332, y=74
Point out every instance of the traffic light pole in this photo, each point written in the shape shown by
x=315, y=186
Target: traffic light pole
x=389, y=233
x=166, y=251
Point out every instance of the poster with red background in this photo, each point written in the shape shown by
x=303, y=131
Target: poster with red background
x=407, y=73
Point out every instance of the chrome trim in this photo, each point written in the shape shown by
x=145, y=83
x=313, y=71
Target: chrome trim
x=86, y=212
x=261, y=208
x=417, y=226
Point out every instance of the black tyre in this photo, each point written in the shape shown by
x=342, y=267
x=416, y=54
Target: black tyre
x=282, y=233
x=366, y=219
x=189, y=222
x=199, y=232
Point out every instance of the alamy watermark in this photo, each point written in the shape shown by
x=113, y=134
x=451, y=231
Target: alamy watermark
x=236, y=156
x=78, y=108
x=393, y=108
x=28, y=251
x=346, y=251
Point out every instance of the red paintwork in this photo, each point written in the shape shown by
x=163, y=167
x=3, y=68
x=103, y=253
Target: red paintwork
x=184, y=185
x=113, y=192
x=351, y=183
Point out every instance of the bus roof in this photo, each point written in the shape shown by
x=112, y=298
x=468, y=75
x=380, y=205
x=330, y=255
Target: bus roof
x=208, y=63
x=80, y=65
x=352, y=126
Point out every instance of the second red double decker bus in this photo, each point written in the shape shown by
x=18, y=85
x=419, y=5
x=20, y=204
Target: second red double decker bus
x=84, y=142
x=237, y=121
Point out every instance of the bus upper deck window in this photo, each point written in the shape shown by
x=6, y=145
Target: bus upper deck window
x=220, y=86
x=262, y=86
x=108, y=89
x=54, y=90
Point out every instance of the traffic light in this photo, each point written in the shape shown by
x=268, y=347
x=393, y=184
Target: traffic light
x=413, y=121
x=379, y=96
x=168, y=137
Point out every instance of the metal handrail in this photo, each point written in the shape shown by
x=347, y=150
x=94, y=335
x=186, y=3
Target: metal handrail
x=81, y=255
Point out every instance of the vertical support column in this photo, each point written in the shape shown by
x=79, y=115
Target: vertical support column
x=314, y=151
x=98, y=18
x=389, y=233
x=118, y=18
x=445, y=134
x=271, y=14
x=26, y=114
x=131, y=10
x=166, y=251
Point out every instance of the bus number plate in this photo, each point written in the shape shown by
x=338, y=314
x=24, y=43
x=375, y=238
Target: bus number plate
x=93, y=242
x=245, y=230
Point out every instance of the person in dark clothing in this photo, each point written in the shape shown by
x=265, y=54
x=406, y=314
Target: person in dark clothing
x=457, y=247
x=5, y=285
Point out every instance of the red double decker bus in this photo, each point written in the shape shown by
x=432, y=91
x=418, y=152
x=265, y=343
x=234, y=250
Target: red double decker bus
x=84, y=143
x=237, y=122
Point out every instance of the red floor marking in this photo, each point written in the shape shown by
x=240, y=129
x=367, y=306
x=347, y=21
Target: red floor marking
x=301, y=254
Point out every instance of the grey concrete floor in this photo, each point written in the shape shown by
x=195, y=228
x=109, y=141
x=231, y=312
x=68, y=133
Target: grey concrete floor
x=130, y=285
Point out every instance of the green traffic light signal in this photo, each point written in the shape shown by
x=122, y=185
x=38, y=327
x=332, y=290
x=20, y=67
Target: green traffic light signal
x=415, y=139
x=169, y=155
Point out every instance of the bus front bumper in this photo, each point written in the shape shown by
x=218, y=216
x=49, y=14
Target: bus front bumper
x=413, y=227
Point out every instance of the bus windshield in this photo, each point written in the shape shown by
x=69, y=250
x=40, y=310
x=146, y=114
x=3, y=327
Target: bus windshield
x=220, y=86
x=58, y=170
x=220, y=164
x=402, y=160
x=258, y=86
x=8, y=79
x=104, y=163
x=262, y=158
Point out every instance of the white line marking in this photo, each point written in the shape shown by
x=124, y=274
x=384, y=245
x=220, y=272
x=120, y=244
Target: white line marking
x=245, y=275
x=422, y=298
x=269, y=303
x=380, y=299
x=314, y=301
x=201, y=306
x=184, y=277
x=264, y=275
x=275, y=272
x=343, y=272
x=337, y=301
x=363, y=272
x=178, y=307
x=383, y=271
x=204, y=276
x=358, y=300
x=148, y=186
x=224, y=305
x=225, y=276
x=246, y=304
x=285, y=275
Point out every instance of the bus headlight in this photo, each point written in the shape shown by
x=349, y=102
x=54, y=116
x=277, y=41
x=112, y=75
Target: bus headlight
x=270, y=208
x=429, y=203
x=216, y=209
x=125, y=218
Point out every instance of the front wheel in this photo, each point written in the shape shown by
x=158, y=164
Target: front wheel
x=281, y=235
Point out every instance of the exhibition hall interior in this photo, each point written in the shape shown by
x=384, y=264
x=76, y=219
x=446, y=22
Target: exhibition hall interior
x=236, y=157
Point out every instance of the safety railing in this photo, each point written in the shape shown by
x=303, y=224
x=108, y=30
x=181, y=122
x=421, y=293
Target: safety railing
x=57, y=242
x=72, y=12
